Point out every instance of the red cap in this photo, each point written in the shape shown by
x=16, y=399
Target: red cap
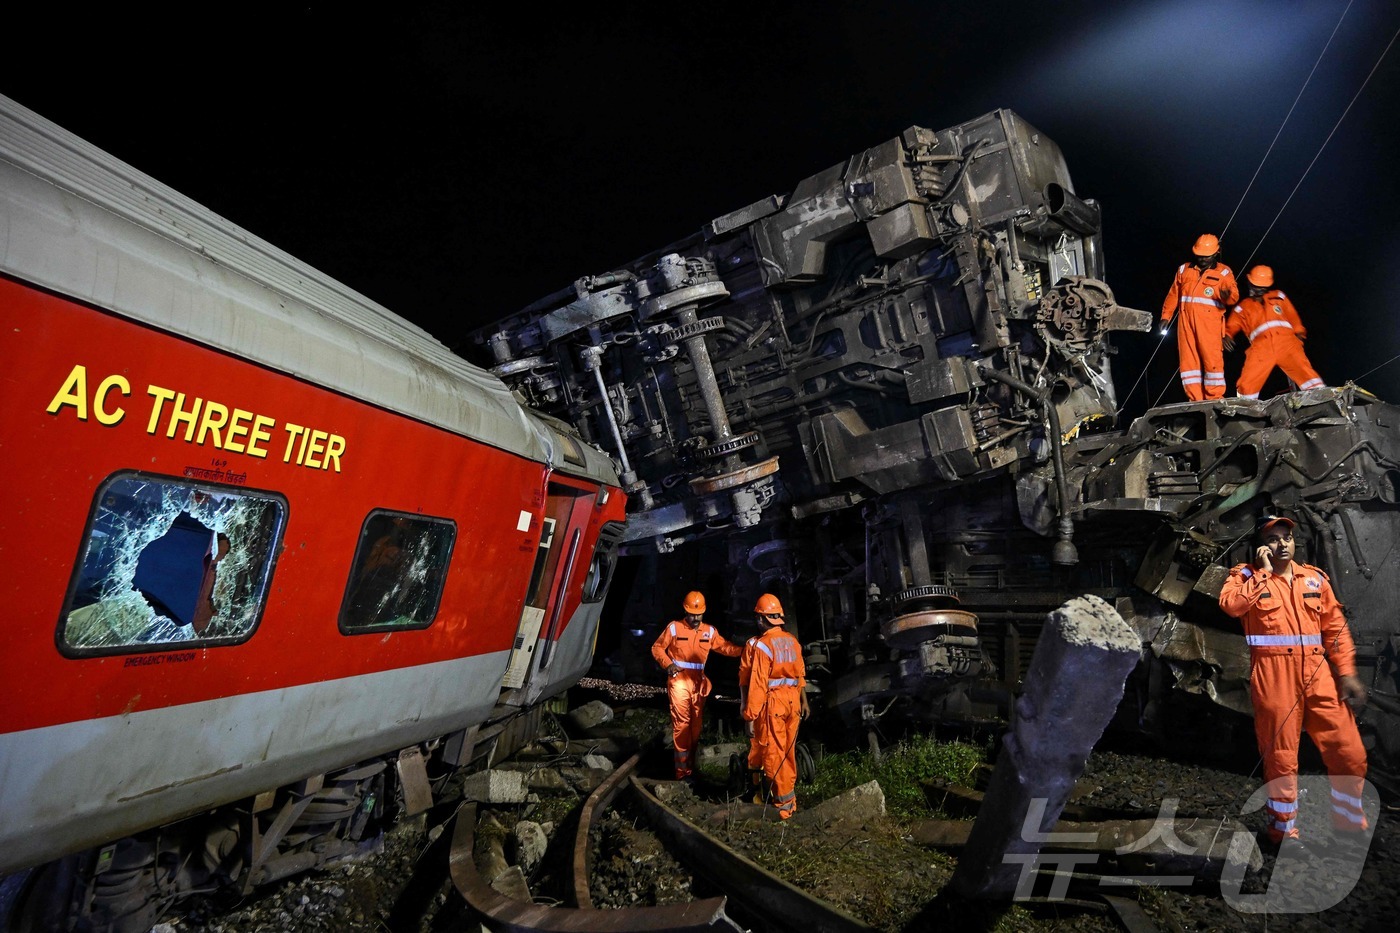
x=1269, y=521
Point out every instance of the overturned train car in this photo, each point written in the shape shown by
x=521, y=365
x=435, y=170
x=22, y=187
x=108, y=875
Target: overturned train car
x=887, y=396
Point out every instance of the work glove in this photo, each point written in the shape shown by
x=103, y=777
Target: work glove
x=1166, y=326
x=1229, y=343
x=1353, y=691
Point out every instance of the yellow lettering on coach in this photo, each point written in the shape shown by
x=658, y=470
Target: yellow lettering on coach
x=334, y=448
x=180, y=415
x=314, y=448
x=161, y=396
x=203, y=422
x=99, y=399
x=215, y=417
x=293, y=432
x=238, y=427
x=258, y=436
x=74, y=392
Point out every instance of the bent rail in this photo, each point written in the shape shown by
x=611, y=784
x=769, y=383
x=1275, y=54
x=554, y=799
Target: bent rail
x=597, y=801
x=504, y=913
x=779, y=903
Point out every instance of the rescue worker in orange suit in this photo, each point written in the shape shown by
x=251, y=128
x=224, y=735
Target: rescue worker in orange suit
x=1200, y=294
x=755, y=757
x=775, y=701
x=681, y=650
x=1275, y=334
x=1303, y=676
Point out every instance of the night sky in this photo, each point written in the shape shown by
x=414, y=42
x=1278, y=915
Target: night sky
x=456, y=163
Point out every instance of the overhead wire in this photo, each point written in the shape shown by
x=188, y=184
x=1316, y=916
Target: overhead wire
x=1286, y=117
x=1318, y=155
x=1354, y=98
x=1374, y=368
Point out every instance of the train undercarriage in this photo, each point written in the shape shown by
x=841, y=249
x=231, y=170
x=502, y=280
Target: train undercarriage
x=227, y=852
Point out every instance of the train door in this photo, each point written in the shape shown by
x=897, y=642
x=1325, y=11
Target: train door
x=564, y=523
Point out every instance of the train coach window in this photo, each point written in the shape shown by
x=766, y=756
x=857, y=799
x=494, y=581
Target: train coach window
x=399, y=571
x=166, y=561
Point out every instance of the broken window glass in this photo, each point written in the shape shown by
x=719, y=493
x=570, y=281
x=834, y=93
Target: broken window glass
x=168, y=562
x=600, y=569
x=399, y=571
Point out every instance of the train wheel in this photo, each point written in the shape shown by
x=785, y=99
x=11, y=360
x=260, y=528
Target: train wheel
x=42, y=898
x=806, y=764
x=62, y=895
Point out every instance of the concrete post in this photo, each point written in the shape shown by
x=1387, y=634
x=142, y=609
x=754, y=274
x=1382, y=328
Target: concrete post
x=1072, y=688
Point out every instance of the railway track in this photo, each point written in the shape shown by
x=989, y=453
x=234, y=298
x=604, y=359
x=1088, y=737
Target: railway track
x=753, y=898
x=751, y=892
x=637, y=841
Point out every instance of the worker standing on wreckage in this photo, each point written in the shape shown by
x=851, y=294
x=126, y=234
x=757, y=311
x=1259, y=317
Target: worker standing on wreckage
x=775, y=701
x=682, y=649
x=1303, y=676
x=1200, y=293
x=1275, y=334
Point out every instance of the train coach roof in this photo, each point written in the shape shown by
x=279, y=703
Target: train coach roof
x=78, y=221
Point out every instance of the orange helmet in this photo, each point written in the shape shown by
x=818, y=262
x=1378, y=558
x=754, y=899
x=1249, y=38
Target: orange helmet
x=694, y=603
x=1206, y=245
x=1262, y=276
x=768, y=605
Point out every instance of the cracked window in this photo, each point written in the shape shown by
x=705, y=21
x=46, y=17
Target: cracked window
x=400, y=567
x=170, y=562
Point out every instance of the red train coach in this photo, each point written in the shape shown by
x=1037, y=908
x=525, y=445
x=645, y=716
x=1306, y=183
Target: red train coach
x=274, y=560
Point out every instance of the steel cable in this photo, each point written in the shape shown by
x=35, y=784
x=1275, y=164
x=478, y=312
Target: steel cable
x=1286, y=118
x=1354, y=98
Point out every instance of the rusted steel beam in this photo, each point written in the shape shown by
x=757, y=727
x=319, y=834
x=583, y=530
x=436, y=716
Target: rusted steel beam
x=1074, y=684
x=505, y=914
x=596, y=803
x=779, y=904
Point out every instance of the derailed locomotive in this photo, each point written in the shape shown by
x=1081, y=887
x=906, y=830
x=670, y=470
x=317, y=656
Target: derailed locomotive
x=887, y=396
x=277, y=564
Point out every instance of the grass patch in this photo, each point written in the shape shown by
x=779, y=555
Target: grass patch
x=901, y=772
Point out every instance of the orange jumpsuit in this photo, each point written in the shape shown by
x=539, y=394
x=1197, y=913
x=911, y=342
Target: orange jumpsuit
x=1198, y=301
x=688, y=648
x=1275, y=339
x=774, y=705
x=1294, y=632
